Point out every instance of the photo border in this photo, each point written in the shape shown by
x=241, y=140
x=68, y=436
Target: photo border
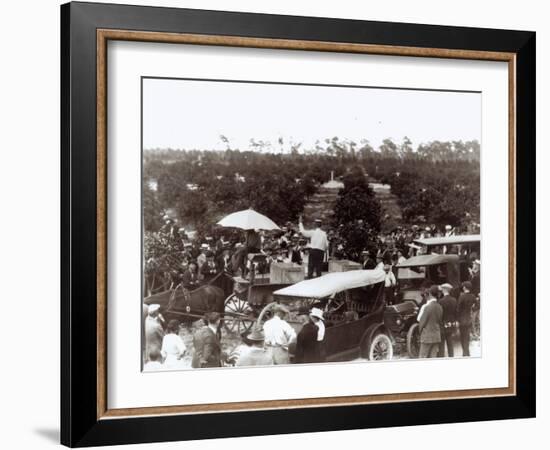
x=86, y=29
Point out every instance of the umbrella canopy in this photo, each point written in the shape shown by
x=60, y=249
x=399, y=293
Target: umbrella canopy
x=248, y=220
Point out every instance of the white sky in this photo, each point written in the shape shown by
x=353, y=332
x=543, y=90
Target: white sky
x=185, y=114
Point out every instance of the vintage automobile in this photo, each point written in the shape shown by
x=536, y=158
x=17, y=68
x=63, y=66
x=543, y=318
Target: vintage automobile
x=413, y=276
x=467, y=246
x=464, y=243
x=353, y=304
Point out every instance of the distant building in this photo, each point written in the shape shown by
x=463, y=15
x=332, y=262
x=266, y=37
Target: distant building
x=333, y=184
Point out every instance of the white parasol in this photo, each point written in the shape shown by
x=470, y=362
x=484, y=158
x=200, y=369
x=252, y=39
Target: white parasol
x=248, y=219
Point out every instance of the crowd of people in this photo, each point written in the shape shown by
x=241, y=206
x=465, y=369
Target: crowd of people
x=198, y=261
x=270, y=344
x=442, y=317
x=444, y=314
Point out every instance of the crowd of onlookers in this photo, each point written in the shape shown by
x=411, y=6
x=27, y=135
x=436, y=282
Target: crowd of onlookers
x=197, y=261
x=446, y=309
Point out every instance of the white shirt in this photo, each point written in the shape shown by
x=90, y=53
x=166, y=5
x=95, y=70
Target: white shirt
x=172, y=347
x=321, y=333
x=318, y=238
x=278, y=332
x=431, y=300
x=390, y=279
x=379, y=266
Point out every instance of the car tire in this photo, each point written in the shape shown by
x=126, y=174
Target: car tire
x=380, y=348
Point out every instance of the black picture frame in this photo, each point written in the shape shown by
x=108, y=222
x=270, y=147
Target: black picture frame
x=80, y=425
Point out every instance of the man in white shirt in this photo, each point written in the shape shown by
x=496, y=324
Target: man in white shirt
x=317, y=247
x=389, y=284
x=279, y=335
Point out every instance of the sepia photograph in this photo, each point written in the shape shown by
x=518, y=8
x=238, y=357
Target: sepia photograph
x=292, y=224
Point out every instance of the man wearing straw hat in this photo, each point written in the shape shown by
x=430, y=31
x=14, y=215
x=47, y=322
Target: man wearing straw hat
x=279, y=335
x=257, y=354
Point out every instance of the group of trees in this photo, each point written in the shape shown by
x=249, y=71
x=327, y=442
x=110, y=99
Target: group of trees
x=438, y=182
x=357, y=214
x=204, y=186
x=441, y=193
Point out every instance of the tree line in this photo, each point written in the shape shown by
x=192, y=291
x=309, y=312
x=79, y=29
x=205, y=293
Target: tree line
x=437, y=183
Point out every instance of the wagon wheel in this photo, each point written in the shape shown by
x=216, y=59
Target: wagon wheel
x=413, y=341
x=380, y=348
x=238, y=315
x=476, y=327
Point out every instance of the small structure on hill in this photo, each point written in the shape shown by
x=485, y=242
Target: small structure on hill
x=333, y=184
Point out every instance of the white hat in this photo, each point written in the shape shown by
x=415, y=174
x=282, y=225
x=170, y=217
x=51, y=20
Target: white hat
x=448, y=227
x=153, y=308
x=316, y=312
x=204, y=246
x=427, y=228
x=446, y=286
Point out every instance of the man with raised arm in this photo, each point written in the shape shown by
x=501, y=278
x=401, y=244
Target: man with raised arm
x=317, y=247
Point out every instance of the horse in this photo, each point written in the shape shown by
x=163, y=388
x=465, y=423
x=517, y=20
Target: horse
x=179, y=303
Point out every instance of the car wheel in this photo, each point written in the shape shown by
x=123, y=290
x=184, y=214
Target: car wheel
x=380, y=348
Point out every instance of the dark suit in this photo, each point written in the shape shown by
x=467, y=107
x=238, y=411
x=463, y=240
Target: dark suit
x=369, y=264
x=448, y=303
x=476, y=281
x=430, y=329
x=208, y=271
x=207, y=351
x=295, y=256
x=189, y=280
x=222, y=264
x=464, y=313
x=307, y=347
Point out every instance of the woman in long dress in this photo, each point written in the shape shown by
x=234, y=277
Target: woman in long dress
x=173, y=347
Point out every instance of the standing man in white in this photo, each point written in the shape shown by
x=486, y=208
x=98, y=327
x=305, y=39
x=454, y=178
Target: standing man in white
x=318, y=246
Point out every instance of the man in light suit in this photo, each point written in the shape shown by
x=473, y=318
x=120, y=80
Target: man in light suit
x=429, y=322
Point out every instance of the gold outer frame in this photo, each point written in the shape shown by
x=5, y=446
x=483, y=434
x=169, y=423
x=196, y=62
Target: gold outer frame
x=104, y=35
